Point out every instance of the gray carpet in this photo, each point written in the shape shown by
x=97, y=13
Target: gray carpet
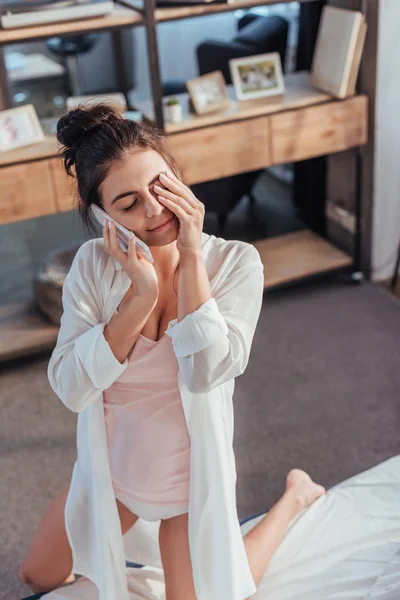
x=321, y=392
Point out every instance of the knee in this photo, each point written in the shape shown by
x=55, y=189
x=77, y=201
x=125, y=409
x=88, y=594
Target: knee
x=30, y=580
x=22, y=574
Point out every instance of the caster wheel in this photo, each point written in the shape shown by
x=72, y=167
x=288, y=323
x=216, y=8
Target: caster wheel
x=357, y=277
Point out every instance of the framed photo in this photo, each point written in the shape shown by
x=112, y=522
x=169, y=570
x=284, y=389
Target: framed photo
x=19, y=127
x=257, y=76
x=208, y=92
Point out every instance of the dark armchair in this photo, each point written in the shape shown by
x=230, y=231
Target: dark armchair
x=256, y=35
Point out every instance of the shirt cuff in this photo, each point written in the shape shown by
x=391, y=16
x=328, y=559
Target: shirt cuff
x=197, y=330
x=97, y=358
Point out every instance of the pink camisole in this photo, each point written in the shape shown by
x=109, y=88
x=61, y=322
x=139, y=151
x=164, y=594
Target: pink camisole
x=147, y=435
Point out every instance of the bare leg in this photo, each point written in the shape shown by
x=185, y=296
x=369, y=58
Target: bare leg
x=263, y=540
x=48, y=562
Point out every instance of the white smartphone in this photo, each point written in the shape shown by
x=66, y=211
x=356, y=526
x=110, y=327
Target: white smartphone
x=123, y=234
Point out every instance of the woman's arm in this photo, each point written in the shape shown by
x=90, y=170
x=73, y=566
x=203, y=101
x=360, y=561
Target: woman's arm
x=213, y=343
x=83, y=363
x=194, y=287
x=124, y=328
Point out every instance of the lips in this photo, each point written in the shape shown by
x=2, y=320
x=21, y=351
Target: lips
x=161, y=224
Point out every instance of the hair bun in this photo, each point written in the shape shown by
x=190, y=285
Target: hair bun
x=72, y=126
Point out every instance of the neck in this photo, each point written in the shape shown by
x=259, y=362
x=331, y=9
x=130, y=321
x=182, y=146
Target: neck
x=166, y=260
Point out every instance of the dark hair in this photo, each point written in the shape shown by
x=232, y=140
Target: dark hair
x=93, y=138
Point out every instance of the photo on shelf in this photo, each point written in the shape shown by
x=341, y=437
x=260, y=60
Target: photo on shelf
x=257, y=76
x=208, y=92
x=19, y=127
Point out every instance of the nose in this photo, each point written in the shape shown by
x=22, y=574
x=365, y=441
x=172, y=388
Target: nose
x=152, y=205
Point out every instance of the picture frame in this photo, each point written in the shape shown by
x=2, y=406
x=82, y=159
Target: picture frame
x=19, y=127
x=257, y=76
x=208, y=93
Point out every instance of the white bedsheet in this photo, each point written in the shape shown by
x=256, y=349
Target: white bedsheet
x=346, y=546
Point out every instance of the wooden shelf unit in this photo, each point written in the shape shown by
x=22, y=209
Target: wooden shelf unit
x=23, y=331
x=126, y=14
x=297, y=256
x=302, y=124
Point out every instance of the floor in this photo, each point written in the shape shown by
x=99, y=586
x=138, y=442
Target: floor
x=321, y=392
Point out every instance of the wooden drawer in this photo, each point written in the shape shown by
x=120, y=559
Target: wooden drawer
x=26, y=191
x=65, y=186
x=309, y=132
x=222, y=150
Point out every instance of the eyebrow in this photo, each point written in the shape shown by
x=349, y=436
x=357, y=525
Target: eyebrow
x=124, y=194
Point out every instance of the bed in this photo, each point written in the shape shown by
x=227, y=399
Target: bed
x=346, y=546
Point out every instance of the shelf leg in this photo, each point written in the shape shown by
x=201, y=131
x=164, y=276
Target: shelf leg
x=120, y=63
x=5, y=93
x=395, y=276
x=358, y=214
x=154, y=63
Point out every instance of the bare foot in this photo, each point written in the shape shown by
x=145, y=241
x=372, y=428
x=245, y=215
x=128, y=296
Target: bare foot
x=305, y=489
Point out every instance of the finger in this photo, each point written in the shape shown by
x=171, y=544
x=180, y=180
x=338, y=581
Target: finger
x=106, y=236
x=173, y=177
x=179, y=188
x=172, y=182
x=114, y=243
x=113, y=237
x=175, y=198
x=132, y=248
x=175, y=208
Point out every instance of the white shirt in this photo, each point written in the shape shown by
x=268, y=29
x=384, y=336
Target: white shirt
x=212, y=346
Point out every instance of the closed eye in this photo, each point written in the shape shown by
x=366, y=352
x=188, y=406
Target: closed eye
x=129, y=207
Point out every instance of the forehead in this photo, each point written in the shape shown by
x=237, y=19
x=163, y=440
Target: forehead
x=137, y=164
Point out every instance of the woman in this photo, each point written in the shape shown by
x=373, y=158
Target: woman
x=147, y=355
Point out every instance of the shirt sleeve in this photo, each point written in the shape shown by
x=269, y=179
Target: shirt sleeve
x=82, y=364
x=213, y=343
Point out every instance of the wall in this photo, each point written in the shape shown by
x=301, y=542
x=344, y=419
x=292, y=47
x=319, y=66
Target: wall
x=386, y=217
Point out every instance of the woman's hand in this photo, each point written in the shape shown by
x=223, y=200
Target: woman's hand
x=180, y=200
x=142, y=273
